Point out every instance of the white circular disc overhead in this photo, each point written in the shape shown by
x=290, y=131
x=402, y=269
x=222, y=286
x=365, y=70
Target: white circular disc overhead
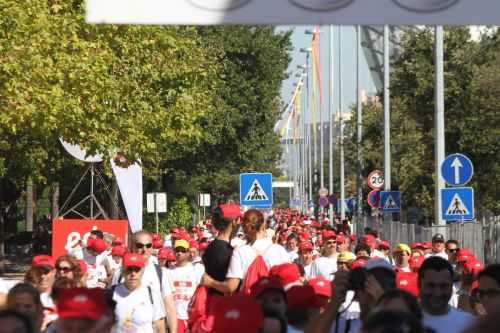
x=219, y=4
x=80, y=154
x=321, y=4
x=425, y=5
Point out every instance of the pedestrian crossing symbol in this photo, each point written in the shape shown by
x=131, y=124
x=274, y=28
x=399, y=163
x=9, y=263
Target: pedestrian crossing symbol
x=256, y=190
x=457, y=204
x=457, y=207
x=390, y=201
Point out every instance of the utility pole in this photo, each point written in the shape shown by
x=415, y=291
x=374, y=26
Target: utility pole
x=341, y=133
x=387, y=115
x=330, y=121
x=439, y=119
x=359, y=124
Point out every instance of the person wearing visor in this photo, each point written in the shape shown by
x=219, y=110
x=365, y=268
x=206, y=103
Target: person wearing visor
x=402, y=253
x=181, y=282
x=326, y=265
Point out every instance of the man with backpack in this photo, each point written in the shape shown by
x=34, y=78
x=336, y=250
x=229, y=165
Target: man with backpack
x=142, y=243
x=138, y=307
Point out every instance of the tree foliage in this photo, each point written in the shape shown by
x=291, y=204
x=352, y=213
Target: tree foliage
x=195, y=105
x=471, y=116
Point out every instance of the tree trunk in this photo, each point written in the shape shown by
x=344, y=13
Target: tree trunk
x=55, y=201
x=115, y=214
x=29, y=205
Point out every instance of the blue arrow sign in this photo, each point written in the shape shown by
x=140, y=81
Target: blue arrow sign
x=457, y=170
x=256, y=190
x=390, y=201
x=457, y=204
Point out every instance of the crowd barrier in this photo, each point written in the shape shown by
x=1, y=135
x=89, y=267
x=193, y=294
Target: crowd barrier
x=480, y=236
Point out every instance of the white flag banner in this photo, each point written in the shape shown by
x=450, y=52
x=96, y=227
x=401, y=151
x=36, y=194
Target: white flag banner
x=130, y=184
x=350, y=12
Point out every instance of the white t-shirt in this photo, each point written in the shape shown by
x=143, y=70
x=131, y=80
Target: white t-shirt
x=350, y=309
x=3, y=287
x=308, y=270
x=243, y=257
x=353, y=324
x=237, y=242
x=181, y=282
x=324, y=266
x=294, y=255
x=149, y=278
x=95, y=273
x=134, y=311
x=438, y=254
x=453, y=321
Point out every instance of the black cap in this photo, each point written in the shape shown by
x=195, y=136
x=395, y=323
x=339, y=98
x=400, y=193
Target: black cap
x=438, y=238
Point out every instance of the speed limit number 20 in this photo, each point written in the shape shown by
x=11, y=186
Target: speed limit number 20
x=376, y=179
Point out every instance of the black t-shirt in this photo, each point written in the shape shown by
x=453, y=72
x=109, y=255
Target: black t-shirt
x=216, y=259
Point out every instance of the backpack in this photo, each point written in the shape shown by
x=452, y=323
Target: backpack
x=257, y=270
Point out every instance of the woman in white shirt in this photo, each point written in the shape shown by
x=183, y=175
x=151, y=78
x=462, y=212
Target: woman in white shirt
x=254, y=228
x=138, y=308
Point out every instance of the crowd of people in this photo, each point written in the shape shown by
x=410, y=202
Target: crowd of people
x=250, y=273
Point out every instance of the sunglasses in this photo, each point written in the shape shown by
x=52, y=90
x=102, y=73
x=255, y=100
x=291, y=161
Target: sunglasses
x=64, y=269
x=132, y=269
x=181, y=250
x=140, y=246
x=452, y=250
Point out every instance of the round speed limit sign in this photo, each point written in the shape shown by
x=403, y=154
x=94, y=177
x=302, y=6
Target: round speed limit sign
x=376, y=179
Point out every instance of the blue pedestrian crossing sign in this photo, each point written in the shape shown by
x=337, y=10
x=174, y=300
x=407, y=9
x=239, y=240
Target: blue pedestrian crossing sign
x=457, y=170
x=256, y=190
x=457, y=204
x=390, y=201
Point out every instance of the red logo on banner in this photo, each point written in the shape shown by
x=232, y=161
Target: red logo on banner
x=67, y=234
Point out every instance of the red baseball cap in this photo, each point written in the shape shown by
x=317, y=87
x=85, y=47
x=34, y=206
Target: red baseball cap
x=203, y=245
x=117, y=241
x=118, y=251
x=416, y=262
x=353, y=238
x=464, y=251
x=340, y=239
x=266, y=283
x=43, y=260
x=407, y=281
x=133, y=260
x=237, y=313
x=193, y=244
x=230, y=211
x=81, y=303
x=167, y=254
x=360, y=262
x=473, y=267
x=327, y=234
x=427, y=245
x=157, y=244
x=416, y=245
x=464, y=257
x=99, y=246
x=302, y=298
x=288, y=273
x=384, y=245
x=321, y=286
x=305, y=246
